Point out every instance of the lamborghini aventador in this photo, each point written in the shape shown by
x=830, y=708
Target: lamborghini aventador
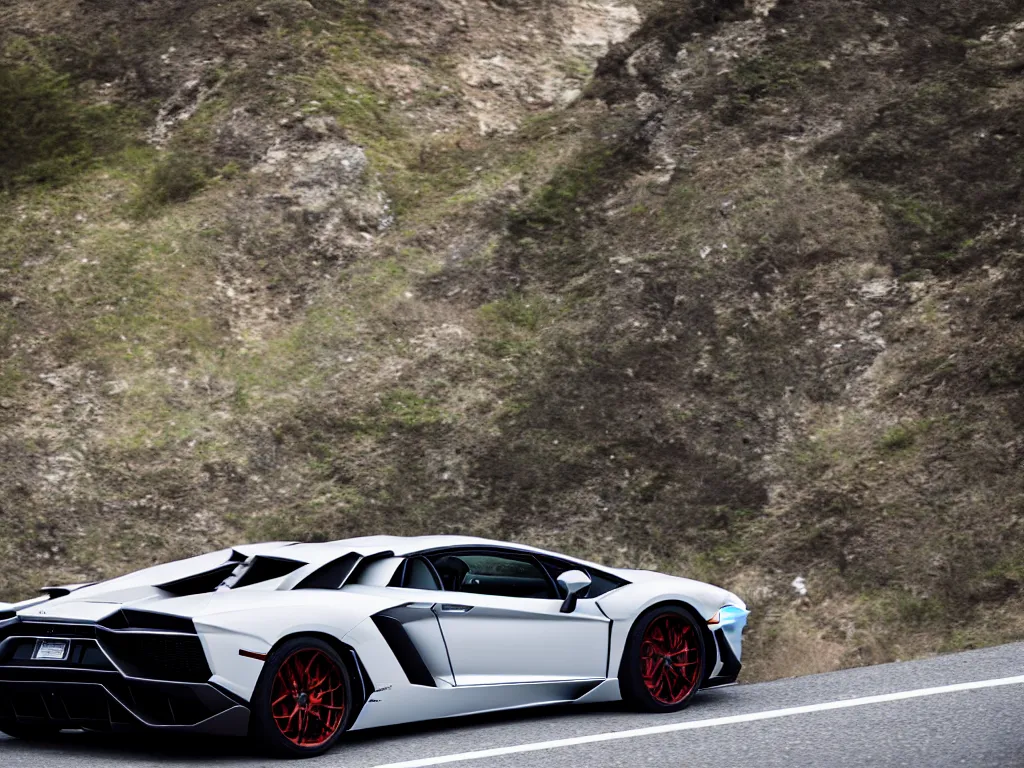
x=294, y=644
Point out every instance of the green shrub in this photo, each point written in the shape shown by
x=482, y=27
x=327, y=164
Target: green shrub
x=515, y=310
x=779, y=74
x=897, y=439
x=175, y=179
x=46, y=131
x=558, y=202
x=402, y=407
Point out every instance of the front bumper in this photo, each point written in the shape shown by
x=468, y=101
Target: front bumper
x=728, y=636
x=112, y=681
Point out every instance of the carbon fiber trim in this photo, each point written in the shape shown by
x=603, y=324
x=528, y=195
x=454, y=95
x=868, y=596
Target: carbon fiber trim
x=390, y=626
x=731, y=666
x=106, y=701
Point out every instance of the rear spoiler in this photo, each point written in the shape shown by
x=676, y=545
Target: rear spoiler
x=49, y=593
x=64, y=590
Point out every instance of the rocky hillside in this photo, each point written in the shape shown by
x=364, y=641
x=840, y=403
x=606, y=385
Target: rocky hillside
x=730, y=289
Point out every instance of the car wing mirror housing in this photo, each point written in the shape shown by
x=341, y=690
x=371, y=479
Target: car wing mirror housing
x=575, y=584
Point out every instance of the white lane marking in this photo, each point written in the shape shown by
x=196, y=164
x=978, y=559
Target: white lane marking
x=690, y=725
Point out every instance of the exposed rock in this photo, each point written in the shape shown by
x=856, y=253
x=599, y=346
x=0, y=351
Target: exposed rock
x=182, y=105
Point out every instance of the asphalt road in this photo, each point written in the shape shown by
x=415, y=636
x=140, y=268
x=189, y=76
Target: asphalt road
x=901, y=714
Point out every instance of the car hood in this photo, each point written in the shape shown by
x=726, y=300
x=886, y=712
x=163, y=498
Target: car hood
x=683, y=585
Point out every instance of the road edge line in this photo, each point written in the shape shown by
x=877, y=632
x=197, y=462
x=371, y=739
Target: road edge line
x=689, y=725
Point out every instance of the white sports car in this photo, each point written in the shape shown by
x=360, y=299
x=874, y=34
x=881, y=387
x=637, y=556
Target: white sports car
x=294, y=644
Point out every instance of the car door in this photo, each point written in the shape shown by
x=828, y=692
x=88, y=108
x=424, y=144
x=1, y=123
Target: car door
x=501, y=621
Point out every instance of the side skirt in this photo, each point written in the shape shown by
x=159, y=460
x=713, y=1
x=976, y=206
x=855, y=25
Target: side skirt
x=607, y=690
x=412, y=703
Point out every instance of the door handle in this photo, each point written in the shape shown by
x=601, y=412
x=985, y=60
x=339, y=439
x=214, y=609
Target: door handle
x=452, y=608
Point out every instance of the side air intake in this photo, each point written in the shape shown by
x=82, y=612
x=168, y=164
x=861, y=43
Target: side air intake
x=197, y=583
x=237, y=572
x=260, y=568
x=332, y=575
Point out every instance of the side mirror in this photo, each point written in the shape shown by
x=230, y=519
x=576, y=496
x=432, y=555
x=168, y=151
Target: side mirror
x=575, y=583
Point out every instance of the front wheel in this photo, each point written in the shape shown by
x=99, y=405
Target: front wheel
x=303, y=700
x=663, y=662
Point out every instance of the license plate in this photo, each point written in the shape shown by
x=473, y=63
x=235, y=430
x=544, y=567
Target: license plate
x=51, y=650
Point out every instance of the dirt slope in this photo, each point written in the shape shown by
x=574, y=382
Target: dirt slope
x=733, y=290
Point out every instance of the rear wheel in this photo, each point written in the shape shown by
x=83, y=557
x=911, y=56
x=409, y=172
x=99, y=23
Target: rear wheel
x=303, y=700
x=663, y=662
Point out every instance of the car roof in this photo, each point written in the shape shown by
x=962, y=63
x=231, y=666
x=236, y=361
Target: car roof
x=408, y=545
x=399, y=546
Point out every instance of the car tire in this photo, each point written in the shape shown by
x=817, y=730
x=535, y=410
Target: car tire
x=303, y=699
x=28, y=732
x=663, y=662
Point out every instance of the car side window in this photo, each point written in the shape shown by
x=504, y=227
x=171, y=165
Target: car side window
x=418, y=574
x=494, y=574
